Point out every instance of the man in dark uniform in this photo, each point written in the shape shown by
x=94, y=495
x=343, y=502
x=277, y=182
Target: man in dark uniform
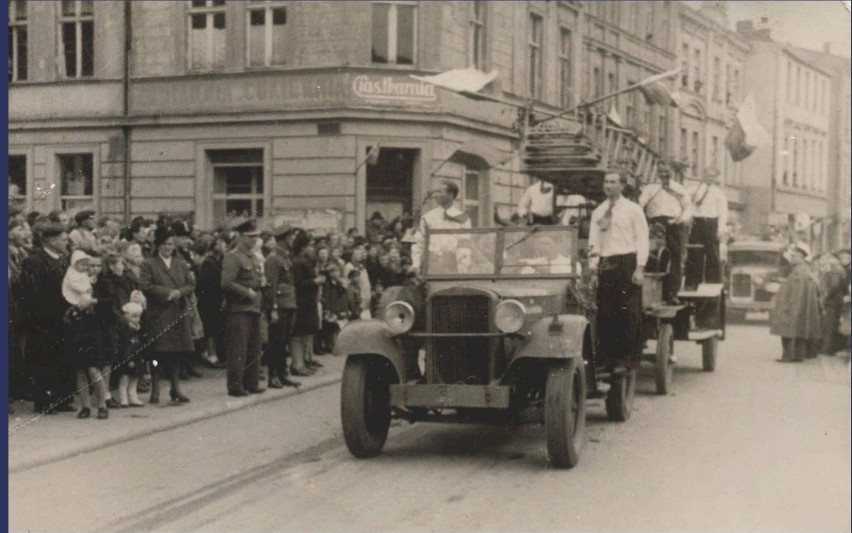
x=282, y=308
x=241, y=282
x=44, y=308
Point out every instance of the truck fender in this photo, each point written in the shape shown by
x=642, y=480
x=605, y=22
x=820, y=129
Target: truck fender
x=568, y=337
x=363, y=337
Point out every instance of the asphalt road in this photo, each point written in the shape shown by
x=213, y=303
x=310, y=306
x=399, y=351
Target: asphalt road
x=756, y=445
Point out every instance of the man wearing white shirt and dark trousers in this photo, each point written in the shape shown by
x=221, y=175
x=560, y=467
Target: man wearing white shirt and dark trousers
x=711, y=219
x=668, y=203
x=536, y=205
x=618, y=249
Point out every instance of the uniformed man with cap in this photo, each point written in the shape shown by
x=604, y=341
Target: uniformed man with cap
x=711, y=219
x=668, y=203
x=282, y=307
x=241, y=284
x=444, y=216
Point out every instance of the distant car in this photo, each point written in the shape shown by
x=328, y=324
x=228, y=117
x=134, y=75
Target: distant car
x=757, y=269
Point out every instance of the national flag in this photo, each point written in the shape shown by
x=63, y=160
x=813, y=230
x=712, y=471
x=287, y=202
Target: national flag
x=655, y=91
x=613, y=116
x=467, y=81
x=746, y=134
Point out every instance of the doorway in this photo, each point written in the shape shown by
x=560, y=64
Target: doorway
x=390, y=182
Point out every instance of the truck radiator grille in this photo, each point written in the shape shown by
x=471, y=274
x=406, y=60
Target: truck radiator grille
x=461, y=359
x=741, y=286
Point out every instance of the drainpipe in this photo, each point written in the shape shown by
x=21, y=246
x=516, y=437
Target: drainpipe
x=125, y=128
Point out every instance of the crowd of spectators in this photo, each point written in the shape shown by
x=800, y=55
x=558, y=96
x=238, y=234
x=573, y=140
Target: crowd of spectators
x=89, y=318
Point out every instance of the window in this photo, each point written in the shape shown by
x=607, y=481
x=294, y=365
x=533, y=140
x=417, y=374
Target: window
x=76, y=176
x=790, y=79
x=394, y=33
x=207, y=34
x=696, y=72
x=799, y=91
x=598, y=82
x=17, y=40
x=807, y=91
x=806, y=164
x=237, y=183
x=535, y=42
x=471, y=204
x=661, y=133
x=266, y=34
x=684, y=144
x=630, y=114
x=18, y=180
x=735, y=84
x=565, y=67
x=695, y=154
x=649, y=23
x=684, y=65
x=714, y=152
x=717, y=75
x=77, y=34
x=477, y=35
x=785, y=176
x=795, y=140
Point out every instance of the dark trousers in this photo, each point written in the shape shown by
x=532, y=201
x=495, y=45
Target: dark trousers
x=538, y=220
x=280, y=333
x=674, y=242
x=52, y=370
x=796, y=349
x=242, y=346
x=704, y=231
x=832, y=340
x=618, y=323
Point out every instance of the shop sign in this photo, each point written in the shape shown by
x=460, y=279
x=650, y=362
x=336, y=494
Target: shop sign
x=392, y=88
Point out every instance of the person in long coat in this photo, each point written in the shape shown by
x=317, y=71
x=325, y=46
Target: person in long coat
x=796, y=315
x=211, y=299
x=307, y=281
x=44, y=309
x=832, y=290
x=167, y=283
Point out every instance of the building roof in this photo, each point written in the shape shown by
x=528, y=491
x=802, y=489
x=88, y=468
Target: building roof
x=824, y=61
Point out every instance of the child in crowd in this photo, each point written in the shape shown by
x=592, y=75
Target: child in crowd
x=131, y=349
x=82, y=334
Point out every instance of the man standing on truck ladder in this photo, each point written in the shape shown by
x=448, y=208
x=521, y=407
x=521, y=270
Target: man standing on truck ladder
x=618, y=249
x=710, y=223
x=667, y=202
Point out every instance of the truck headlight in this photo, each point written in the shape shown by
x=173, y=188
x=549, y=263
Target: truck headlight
x=399, y=317
x=510, y=315
x=772, y=287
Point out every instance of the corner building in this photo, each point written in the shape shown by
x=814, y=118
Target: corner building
x=206, y=108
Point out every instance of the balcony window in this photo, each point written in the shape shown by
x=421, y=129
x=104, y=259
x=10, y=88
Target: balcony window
x=477, y=35
x=266, y=34
x=77, y=38
x=536, y=36
x=17, y=41
x=394, y=32
x=207, y=34
x=76, y=177
x=566, y=51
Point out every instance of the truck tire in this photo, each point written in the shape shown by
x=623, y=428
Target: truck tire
x=365, y=406
x=662, y=361
x=619, y=399
x=565, y=413
x=709, y=347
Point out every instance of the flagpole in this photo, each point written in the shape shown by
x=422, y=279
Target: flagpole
x=364, y=162
x=652, y=79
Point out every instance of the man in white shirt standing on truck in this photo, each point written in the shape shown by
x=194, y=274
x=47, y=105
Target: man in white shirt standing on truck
x=618, y=249
x=668, y=203
x=708, y=229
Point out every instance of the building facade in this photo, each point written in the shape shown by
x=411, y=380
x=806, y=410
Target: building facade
x=209, y=108
x=788, y=177
x=712, y=60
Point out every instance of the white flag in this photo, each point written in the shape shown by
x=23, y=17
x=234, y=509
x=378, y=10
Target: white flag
x=462, y=80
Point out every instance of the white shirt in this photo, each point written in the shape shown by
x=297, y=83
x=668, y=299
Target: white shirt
x=627, y=233
x=167, y=261
x=658, y=202
x=537, y=202
x=713, y=204
x=438, y=218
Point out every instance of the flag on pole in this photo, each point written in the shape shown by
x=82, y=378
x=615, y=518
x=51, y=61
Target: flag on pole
x=656, y=93
x=461, y=80
x=746, y=134
x=613, y=116
x=373, y=155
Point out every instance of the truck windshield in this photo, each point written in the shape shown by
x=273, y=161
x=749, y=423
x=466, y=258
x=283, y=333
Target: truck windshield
x=461, y=253
x=531, y=253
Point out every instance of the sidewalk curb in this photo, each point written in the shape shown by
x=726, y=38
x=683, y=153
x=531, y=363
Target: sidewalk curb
x=256, y=400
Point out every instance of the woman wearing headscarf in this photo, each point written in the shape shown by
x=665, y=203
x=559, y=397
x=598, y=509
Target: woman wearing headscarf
x=307, y=281
x=168, y=284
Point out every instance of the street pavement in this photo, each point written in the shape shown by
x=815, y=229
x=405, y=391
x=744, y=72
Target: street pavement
x=754, y=446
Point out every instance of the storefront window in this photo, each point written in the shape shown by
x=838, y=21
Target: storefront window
x=394, y=32
x=77, y=42
x=238, y=184
x=76, y=181
x=206, y=34
x=18, y=180
x=266, y=34
x=17, y=41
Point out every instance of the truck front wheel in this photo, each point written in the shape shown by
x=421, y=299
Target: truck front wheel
x=565, y=413
x=365, y=405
